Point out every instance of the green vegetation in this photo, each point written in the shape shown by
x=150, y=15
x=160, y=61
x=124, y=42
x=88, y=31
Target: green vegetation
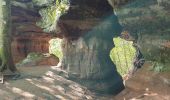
x=48, y=18
x=159, y=67
x=51, y=14
x=122, y=55
x=34, y=56
x=31, y=58
x=55, y=48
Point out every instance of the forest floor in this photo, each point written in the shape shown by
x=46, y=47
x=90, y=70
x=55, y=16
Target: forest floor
x=45, y=83
x=42, y=83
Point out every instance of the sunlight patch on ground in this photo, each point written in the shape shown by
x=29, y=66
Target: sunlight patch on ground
x=58, y=69
x=41, y=86
x=74, y=90
x=50, y=86
x=57, y=77
x=61, y=89
x=48, y=79
x=21, y=92
x=60, y=97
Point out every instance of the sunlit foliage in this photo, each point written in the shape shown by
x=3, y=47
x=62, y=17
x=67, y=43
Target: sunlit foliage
x=55, y=48
x=122, y=55
x=51, y=14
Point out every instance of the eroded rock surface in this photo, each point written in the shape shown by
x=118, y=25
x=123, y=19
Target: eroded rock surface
x=148, y=22
x=88, y=28
x=26, y=35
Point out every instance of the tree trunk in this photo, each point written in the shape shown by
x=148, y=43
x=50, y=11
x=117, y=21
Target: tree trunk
x=5, y=39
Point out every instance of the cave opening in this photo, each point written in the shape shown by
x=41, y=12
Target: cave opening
x=95, y=53
x=88, y=55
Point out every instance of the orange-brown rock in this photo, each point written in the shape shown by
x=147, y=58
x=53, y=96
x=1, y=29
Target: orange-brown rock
x=146, y=85
x=23, y=45
x=43, y=60
x=49, y=60
x=26, y=35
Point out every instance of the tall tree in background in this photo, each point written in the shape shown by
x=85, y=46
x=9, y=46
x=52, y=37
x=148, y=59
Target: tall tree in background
x=6, y=60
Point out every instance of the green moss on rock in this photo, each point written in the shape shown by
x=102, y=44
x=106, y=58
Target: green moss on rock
x=51, y=14
x=31, y=58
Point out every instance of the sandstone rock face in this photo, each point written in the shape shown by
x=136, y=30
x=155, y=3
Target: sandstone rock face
x=85, y=15
x=26, y=35
x=23, y=45
x=148, y=22
x=88, y=29
x=147, y=85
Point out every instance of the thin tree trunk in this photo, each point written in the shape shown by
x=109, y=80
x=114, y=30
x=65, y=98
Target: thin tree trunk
x=5, y=39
